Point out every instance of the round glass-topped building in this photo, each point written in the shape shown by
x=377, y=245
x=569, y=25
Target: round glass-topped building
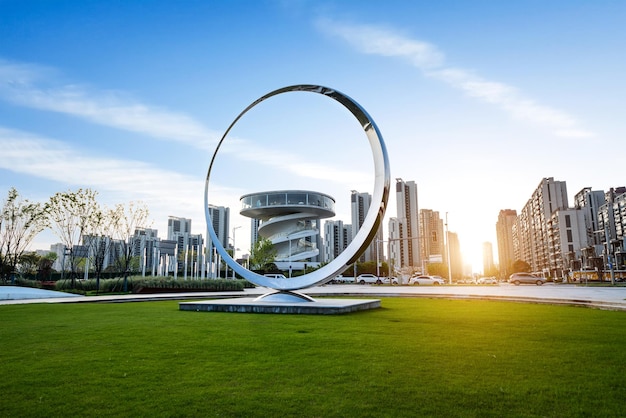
x=290, y=219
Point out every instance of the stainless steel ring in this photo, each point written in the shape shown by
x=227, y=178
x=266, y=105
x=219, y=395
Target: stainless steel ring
x=372, y=220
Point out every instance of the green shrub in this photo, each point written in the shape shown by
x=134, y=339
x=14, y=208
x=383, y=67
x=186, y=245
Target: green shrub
x=210, y=285
x=20, y=281
x=136, y=283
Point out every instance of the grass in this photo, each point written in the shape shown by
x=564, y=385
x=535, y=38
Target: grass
x=413, y=357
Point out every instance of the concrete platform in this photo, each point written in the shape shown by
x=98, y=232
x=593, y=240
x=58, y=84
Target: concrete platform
x=253, y=305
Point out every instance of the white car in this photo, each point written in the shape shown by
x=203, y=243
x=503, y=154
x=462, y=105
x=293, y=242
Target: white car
x=367, y=278
x=341, y=279
x=275, y=276
x=487, y=280
x=385, y=280
x=425, y=281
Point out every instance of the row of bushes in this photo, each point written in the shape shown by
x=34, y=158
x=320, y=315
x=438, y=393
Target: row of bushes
x=138, y=283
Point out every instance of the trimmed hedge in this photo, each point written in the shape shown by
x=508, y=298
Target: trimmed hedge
x=144, y=284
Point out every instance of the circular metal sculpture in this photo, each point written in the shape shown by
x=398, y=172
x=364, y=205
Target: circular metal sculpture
x=359, y=242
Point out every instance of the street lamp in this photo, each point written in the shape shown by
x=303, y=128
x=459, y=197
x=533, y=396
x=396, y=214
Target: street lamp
x=609, y=261
x=389, y=261
x=448, y=250
x=289, y=257
x=234, y=248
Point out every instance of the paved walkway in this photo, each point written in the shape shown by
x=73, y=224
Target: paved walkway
x=613, y=298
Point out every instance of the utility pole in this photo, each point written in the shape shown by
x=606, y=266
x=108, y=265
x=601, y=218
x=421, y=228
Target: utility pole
x=234, y=248
x=448, y=251
x=608, y=254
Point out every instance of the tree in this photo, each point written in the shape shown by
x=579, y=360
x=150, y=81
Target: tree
x=20, y=222
x=437, y=269
x=520, y=266
x=125, y=220
x=262, y=254
x=28, y=263
x=100, y=241
x=45, y=266
x=72, y=215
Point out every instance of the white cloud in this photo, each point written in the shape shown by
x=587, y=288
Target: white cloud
x=293, y=163
x=511, y=100
x=427, y=58
x=126, y=180
x=379, y=41
x=24, y=85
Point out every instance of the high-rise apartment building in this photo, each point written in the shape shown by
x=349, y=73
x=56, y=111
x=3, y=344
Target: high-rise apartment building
x=360, y=204
x=456, y=259
x=431, y=238
x=395, y=244
x=531, y=234
x=488, y=264
x=220, y=219
x=145, y=243
x=590, y=201
x=190, y=247
x=612, y=227
x=177, y=226
x=504, y=235
x=404, y=229
x=566, y=239
x=337, y=236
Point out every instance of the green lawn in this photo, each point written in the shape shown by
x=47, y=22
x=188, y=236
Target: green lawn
x=413, y=357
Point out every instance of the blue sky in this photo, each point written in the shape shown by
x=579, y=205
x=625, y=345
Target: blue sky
x=477, y=101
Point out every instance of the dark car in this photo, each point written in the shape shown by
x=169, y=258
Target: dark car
x=526, y=278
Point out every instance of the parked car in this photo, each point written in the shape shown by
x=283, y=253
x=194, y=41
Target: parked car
x=526, y=278
x=385, y=280
x=341, y=279
x=275, y=276
x=487, y=280
x=367, y=278
x=337, y=279
x=423, y=280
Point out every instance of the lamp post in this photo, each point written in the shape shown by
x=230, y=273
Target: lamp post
x=609, y=261
x=448, y=251
x=234, y=248
x=389, y=241
x=378, y=242
x=289, y=257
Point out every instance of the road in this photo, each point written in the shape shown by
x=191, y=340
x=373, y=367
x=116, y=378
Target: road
x=612, y=298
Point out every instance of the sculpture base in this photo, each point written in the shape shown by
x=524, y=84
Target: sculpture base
x=282, y=303
x=284, y=296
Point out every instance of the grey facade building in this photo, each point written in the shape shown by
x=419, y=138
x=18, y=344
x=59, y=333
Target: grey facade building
x=531, y=234
x=567, y=237
x=568, y=242
x=220, y=219
x=145, y=244
x=177, y=227
x=360, y=204
x=612, y=229
x=488, y=261
x=337, y=237
x=504, y=236
x=432, y=237
x=404, y=229
x=189, y=247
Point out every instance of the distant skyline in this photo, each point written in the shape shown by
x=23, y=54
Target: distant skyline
x=477, y=102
